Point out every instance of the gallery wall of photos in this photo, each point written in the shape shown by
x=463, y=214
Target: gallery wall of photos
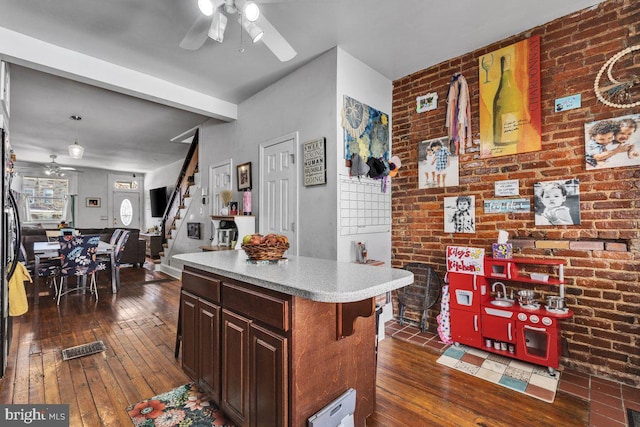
x=569, y=193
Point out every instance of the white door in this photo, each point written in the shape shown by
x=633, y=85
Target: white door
x=219, y=179
x=126, y=209
x=278, y=189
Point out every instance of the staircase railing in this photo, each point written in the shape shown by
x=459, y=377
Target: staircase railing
x=189, y=167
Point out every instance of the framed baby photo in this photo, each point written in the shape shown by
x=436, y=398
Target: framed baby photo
x=460, y=214
x=612, y=143
x=557, y=202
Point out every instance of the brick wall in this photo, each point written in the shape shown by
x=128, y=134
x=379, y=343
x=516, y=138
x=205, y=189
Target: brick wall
x=602, y=254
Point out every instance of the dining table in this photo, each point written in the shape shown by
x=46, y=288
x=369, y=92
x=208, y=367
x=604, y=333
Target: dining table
x=49, y=250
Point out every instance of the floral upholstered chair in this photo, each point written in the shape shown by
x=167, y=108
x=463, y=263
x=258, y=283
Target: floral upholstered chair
x=78, y=258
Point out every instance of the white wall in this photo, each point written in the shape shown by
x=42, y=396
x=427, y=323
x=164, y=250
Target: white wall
x=307, y=101
x=361, y=82
x=165, y=176
x=301, y=102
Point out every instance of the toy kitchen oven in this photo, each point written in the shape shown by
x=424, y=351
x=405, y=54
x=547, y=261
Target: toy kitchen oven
x=484, y=314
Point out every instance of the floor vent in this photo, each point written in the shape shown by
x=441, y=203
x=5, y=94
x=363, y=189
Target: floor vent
x=83, y=350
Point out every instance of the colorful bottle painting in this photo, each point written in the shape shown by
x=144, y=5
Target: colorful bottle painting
x=507, y=107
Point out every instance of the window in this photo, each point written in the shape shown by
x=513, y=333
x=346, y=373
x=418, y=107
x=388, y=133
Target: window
x=125, y=185
x=126, y=212
x=46, y=199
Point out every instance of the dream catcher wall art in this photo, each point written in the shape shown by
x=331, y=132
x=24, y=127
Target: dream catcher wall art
x=622, y=90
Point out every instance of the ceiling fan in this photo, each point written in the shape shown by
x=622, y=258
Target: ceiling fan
x=54, y=169
x=212, y=23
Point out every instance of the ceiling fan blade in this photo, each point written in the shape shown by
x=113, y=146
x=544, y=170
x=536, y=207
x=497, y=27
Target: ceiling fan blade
x=197, y=34
x=275, y=42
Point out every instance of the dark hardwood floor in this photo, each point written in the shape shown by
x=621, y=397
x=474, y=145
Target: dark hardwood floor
x=138, y=327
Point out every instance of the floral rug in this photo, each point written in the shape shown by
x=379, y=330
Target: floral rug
x=183, y=406
x=532, y=380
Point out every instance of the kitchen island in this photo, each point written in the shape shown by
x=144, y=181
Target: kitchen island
x=274, y=344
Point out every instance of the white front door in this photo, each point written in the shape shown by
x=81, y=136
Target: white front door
x=219, y=179
x=278, y=189
x=126, y=209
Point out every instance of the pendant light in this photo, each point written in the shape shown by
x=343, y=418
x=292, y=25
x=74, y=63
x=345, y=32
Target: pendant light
x=76, y=150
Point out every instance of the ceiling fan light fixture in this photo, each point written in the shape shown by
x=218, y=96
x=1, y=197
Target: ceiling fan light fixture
x=206, y=7
x=254, y=31
x=218, y=25
x=251, y=11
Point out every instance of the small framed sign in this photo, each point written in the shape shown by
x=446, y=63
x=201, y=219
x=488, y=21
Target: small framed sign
x=315, y=165
x=507, y=188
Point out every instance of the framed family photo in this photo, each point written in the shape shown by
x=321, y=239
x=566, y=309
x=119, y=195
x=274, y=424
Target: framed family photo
x=612, y=143
x=93, y=202
x=244, y=176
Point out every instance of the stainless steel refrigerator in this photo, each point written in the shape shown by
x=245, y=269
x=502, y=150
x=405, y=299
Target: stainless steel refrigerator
x=9, y=247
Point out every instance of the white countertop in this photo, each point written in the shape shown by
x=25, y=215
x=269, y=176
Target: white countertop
x=312, y=278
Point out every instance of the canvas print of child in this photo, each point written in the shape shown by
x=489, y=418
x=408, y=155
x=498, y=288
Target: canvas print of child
x=460, y=214
x=437, y=166
x=613, y=142
x=557, y=202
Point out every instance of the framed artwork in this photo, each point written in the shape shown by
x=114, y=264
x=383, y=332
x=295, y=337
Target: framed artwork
x=437, y=166
x=612, y=143
x=366, y=130
x=315, y=164
x=460, y=214
x=193, y=230
x=427, y=102
x=92, y=202
x=244, y=176
x=510, y=107
x=557, y=202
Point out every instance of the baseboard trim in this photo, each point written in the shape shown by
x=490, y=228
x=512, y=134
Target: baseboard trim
x=171, y=271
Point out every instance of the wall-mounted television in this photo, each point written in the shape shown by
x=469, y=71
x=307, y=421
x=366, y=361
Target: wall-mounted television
x=158, y=201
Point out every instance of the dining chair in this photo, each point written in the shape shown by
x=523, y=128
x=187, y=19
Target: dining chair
x=77, y=258
x=47, y=268
x=114, y=237
x=118, y=251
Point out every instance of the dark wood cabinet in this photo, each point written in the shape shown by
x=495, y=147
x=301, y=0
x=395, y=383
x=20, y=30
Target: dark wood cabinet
x=200, y=311
x=209, y=351
x=268, y=393
x=189, y=312
x=278, y=359
x=235, y=364
x=153, y=244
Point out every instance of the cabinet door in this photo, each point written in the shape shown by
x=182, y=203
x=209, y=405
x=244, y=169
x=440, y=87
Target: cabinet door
x=465, y=327
x=189, y=331
x=209, y=354
x=268, y=378
x=235, y=367
x=498, y=328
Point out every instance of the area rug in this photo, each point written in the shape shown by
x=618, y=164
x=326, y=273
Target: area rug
x=183, y=406
x=633, y=417
x=532, y=380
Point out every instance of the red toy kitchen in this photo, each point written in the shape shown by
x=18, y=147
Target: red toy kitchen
x=493, y=305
